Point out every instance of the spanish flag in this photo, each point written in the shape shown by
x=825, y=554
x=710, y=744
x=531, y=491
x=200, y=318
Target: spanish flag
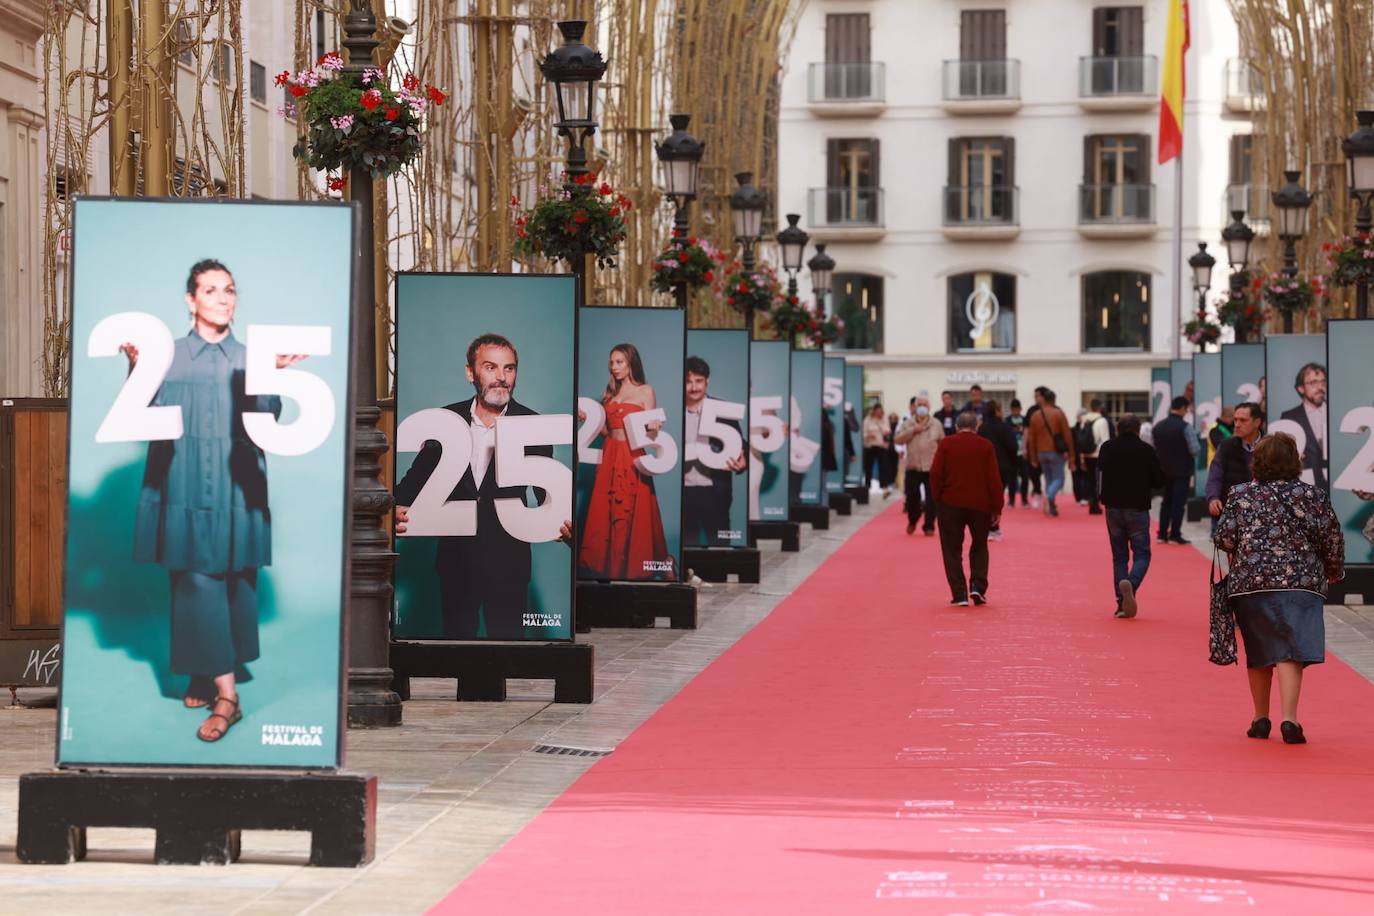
x=1176, y=43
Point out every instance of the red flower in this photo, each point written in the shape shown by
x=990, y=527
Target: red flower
x=743, y=287
x=709, y=277
x=297, y=91
x=615, y=211
x=371, y=99
x=392, y=113
x=791, y=300
x=514, y=201
x=282, y=78
x=435, y=95
x=729, y=300
x=329, y=55
x=580, y=217
x=1259, y=283
x=1326, y=246
x=605, y=189
x=586, y=178
x=411, y=82
x=338, y=184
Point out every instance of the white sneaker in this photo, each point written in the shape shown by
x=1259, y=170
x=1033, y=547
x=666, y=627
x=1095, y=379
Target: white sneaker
x=1082, y=502
x=1035, y=502
x=994, y=535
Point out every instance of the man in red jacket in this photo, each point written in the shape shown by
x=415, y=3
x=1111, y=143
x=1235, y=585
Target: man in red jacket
x=968, y=494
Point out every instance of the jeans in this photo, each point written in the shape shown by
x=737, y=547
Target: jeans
x=918, y=495
x=1171, y=507
x=953, y=520
x=1129, y=533
x=1052, y=464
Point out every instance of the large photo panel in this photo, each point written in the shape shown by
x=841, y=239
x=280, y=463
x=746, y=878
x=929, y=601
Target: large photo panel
x=1296, y=364
x=1242, y=373
x=832, y=425
x=1350, y=430
x=1206, y=409
x=853, y=419
x=484, y=456
x=715, y=475
x=1181, y=383
x=630, y=380
x=770, y=419
x=808, y=384
x=1161, y=393
x=207, y=512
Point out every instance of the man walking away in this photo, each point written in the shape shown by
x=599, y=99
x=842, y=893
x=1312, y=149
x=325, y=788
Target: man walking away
x=1028, y=479
x=1177, y=446
x=921, y=434
x=1049, y=445
x=968, y=494
x=1003, y=439
x=1130, y=472
x=1096, y=432
x=1232, y=464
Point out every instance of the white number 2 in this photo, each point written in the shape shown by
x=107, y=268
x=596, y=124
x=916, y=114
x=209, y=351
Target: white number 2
x=593, y=426
x=1359, y=474
x=130, y=419
x=1294, y=429
x=1160, y=389
x=431, y=515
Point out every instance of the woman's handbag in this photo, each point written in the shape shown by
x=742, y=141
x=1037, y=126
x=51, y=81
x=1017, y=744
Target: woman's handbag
x=1222, y=641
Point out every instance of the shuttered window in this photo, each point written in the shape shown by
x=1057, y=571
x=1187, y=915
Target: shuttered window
x=852, y=180
x=1118, y=31
x=846, y=38
x=983, y=35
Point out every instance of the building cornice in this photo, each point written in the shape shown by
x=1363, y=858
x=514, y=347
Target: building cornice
x=24, y=17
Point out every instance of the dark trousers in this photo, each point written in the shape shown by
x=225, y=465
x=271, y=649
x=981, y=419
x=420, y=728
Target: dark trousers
x=918, y=497
x=874, y=458
x=953, y=521
x=214, y=625
x=703, y=517
x=1030, y=478
x=1129, y=533
x=493, y=599
x=1090, y=470
x=1171, y=507
x=1009, y=477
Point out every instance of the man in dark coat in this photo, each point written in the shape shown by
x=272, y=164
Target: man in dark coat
x=1177, y=446
x=1003, y=439
x=486, y=577
x=1129, y=472
x=1231, y=466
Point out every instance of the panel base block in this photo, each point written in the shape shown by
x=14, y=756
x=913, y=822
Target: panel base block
x=635, y=604
x=198, y=816
x=787, y=532
x=841, y=503
x=482, y=668
x=715, y=564
x=1356, y=588
x=858, y=494
x=818, y=517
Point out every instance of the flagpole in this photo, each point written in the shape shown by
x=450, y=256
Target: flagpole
x=1174, y=331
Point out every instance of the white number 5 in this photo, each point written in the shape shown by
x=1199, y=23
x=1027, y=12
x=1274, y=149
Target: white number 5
x=310, y=392
x=130, y=419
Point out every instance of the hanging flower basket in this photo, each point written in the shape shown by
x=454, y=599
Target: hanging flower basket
x=757, y=289
x=1291, y=295
x=1201, y=330
x=795, y=322
x=356, y=121
x=1243, y=310
x=695, y=263
x=1352, y=261
x=586, y=218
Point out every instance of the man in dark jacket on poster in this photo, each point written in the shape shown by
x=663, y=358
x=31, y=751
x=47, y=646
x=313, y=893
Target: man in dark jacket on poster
x=1177, y=446
x=968, y=494
x=1129, y=472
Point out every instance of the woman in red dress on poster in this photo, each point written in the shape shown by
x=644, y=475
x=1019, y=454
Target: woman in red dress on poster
x=622, y=535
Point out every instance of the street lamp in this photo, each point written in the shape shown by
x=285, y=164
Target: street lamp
x=1237, y=238
x=574, y=70
x=746, y=214
x=822, y=268
x=1292, y=201
x=1202, y=264
x=681, y=155
x=1359, y=160
x=792, y=243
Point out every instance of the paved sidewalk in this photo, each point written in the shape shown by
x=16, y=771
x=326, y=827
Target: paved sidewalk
x=456, y=780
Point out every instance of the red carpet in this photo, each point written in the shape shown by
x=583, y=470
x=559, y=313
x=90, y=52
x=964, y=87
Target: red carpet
x=868, y=748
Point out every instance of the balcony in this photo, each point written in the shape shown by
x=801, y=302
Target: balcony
x=845, y=214
x=847, y=90
x=982, y=87
x=1244, y=87
x=1116, y=211
x=1251, y=199
x=985, y=213
x=1118, y=83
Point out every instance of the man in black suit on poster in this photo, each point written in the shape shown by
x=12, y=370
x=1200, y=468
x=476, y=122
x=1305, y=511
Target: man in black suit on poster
x=1310, y=414
x=707, y=493
x=487, y=575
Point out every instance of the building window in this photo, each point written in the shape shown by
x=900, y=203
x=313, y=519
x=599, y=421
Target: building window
x=1116, y=310
x=319, y=34
x=982, y=313
x=257, y=82
x=1117, y=404
x=982, y=53
x=1246, y=189
x=981, y=181
x=847, y=56
x=858, y=299
x=184, y=41
x=1118, y=50
x=852, y=181
x=66, y=182
x=1116, y=179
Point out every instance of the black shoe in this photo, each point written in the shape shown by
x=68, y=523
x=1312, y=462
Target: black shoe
x=958, y=602
x=1163, y=538
x=1178, y=539
x=1097, y=510
x=1054, y=511
x=978, y=598
x=1260, y=728
x=911, y=526
x=1292, y=733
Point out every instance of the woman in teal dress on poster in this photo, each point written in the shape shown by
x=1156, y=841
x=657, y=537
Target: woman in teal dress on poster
x=203, y=511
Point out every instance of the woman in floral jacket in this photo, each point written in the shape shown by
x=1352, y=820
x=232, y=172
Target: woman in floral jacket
x=1286, y=546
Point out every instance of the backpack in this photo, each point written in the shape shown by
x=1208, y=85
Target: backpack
x=1083, y=439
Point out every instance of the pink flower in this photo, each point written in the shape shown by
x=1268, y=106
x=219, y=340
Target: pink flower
x=370, y=75
x=343, y=122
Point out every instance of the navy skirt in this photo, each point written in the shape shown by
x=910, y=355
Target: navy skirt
x=1281, y=626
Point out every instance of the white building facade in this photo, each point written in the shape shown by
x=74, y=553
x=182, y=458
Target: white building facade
x=985, y=174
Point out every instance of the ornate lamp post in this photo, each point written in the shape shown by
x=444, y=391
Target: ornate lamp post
x=1359, y=160
x=681, y=155
x=1292, y=201
x=792, y=243
x=1237, y=238
x=822, y=268
x=574, y=70
x=1202, y=264
x=371, y=701
x=746, y=216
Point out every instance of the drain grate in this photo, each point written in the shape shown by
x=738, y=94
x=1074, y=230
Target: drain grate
x=563, y=750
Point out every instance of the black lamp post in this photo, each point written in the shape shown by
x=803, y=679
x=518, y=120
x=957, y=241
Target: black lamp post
x=746, y=214
x=1238, y=237
x=1292, y=201
x=822, y=267
x=1202, y=264
x=574, y=70
x=792, y=243
x=1359, y=160
x=371, y=701
x=680, y=154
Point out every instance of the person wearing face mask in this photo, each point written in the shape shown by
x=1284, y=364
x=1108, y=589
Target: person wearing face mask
x=921, y=433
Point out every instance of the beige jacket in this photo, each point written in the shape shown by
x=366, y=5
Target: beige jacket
x=920, y=443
